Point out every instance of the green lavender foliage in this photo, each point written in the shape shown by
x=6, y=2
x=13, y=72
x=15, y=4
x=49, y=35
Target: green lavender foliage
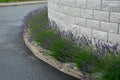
x=13, y=0
x=103, y=58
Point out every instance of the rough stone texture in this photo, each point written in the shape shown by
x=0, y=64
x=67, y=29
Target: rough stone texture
x=119, y=29
x=94, y=4
x=101, y=15
x=114, y=38
x=85, y=31
x=81, y=22
x=93, y=18
x=100, y=35
x=81, y=3
x=115, y=17
x=111, y=5
x=85, y=13
x=70, y=3
x=109, y=27
x=93, y=24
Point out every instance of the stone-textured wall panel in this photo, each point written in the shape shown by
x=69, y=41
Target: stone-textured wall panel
x=93, y=24
x=81, y=3
x=54, y=1
x=98, y=19
x=99, y=35
x=113, y=38
x=111, y=5
x=94, y=4
x=85, y=13
x=77, y=12
x=119, y=29
x=70, y=3
x=85, y=31
x=115, y=17
x=69, y=19
x=65, y=26
x=71, y=11
x=109, y=27
x=101, y=15
x=81, y=22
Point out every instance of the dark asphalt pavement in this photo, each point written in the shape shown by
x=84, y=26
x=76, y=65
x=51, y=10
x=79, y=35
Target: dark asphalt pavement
x=16, y=61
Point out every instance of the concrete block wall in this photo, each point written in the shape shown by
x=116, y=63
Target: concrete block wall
x=98, y=19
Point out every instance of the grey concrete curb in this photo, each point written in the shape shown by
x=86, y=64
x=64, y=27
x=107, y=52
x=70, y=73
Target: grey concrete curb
x=22, y=3
x=50, y=60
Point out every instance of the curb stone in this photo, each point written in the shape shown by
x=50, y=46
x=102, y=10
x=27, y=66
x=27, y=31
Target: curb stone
x=50, y=60
x=22, y=3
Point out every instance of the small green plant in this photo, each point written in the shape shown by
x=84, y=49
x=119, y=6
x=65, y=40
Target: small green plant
x=13, y=0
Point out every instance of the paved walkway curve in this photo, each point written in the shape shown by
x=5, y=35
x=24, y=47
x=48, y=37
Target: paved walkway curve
x=16, y=60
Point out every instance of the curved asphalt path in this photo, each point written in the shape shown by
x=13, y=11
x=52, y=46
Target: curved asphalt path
x=16, y=60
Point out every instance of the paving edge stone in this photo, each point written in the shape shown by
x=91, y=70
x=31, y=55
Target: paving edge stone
x=50, y=60
x=22, y=3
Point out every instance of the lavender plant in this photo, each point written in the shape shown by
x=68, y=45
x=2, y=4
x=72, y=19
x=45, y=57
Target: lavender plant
x=102, y=58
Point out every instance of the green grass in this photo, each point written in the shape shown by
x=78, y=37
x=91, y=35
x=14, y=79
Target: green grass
x=13, y=0
x=64, y=49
